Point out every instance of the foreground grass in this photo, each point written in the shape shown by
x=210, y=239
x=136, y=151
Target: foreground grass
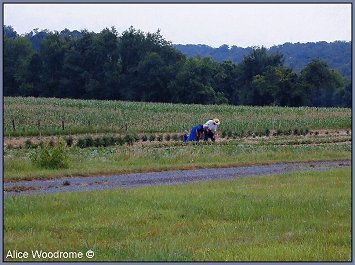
x=292, y=217
x=140, y=158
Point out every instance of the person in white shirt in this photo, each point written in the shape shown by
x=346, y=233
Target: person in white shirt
x=210, y=128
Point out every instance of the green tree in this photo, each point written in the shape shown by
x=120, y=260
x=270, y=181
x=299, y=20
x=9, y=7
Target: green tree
x=194, y=83
x=17, y=54
x=52, y=53
x=226, y=82
x=251, y=69
x=321, y=83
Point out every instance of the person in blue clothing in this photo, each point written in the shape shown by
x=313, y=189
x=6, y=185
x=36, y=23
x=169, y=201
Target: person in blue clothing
x=195, y=133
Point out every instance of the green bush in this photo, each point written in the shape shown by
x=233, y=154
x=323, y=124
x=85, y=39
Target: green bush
x=89, y=141
x=229, y=134
x=51, y=143
x=81, y=143
x=224, y=134
x=175, y=137
x=129, y=139
x=69, y=141
x=119, y=140
x=152, y=137
x=267, y=132
x=99, y=142
x=107, y=141
x=160, y=138
x=51, y=157
x=29, y=144
x=136, y=138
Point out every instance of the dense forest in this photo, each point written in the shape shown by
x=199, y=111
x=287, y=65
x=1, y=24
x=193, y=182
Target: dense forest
x=296, y=55
x=138, y=66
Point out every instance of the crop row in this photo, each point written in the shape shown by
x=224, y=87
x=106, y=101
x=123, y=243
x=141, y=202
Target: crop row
x=129, y=139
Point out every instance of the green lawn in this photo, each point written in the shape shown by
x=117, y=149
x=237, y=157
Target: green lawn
x=291, y=217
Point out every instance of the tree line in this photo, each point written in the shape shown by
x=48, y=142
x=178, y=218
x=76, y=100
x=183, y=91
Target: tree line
x=296, y=55
x=139, y=66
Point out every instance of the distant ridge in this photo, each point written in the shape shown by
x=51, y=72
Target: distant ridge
x=337, y=54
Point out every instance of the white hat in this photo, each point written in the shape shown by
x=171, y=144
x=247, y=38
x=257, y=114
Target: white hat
x=216, y=121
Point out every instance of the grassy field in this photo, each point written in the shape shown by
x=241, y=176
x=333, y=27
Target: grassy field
x=164, y=156
x=43, y=116
x=292, y=217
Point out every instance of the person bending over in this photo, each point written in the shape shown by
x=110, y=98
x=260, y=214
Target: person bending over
x=210, y=128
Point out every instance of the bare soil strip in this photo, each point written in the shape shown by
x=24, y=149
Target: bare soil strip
x=79, y=184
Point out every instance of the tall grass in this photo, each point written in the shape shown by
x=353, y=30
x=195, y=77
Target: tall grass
x=292, y=217
x=91, y=116
x=139, y=158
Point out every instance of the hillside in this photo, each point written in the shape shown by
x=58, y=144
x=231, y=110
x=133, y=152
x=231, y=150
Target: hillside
x=337, y=54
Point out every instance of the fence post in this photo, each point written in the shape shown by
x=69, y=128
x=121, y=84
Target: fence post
x=63, y=125
x=13, y=125
x=126, y=126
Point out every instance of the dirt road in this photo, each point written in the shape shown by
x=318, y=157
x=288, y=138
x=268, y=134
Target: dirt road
x=78, y=184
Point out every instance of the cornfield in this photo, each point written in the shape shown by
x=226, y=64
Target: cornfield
x=50, y=116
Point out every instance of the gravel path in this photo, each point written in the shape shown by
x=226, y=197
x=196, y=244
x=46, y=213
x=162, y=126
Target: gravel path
x=74, y=184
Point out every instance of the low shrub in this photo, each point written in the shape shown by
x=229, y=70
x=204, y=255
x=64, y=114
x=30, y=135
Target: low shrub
x=230, y=134
x=119, y=140
x=51, y=143
x=176, y=137
x=50, y=157
x=267, y=132
x=224, y=134
x=279, y=132
x=89, y=141
x=69, y=141
x=107, y=141
x=99, y=142
x=81, y=143
x=129, y=139
x=29, y=144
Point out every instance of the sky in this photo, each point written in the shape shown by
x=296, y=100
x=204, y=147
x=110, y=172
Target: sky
x=241, y=25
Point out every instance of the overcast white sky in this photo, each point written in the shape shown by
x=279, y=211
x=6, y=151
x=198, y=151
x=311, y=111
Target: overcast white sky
x=242, y=25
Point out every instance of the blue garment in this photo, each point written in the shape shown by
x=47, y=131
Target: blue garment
x=185, y=137
x=196, y=130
